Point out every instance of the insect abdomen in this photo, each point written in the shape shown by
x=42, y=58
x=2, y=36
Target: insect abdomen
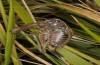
x=58, y=38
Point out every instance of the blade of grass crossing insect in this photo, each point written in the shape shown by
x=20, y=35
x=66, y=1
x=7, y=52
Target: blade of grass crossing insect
x=10, y=36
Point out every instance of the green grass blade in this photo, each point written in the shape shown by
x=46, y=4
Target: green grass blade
x=97, y=2
x=3, y=40
x=85, y=47
x=82, y=55
x=96, y=37
x=73, y=58
x=4, y=16
x=14, y=56
x=10, y=36
x=51, y=58
x=22, y=13
x=2, y=34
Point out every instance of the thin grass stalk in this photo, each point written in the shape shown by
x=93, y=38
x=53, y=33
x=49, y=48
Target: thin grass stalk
x=29, y=39
x=10, y=36
x=31, y=54
x=29, y=11
x=31, y=62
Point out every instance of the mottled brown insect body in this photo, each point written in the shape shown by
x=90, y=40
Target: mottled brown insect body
x=53, y=33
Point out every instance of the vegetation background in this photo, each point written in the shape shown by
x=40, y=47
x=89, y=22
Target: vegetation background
x=83, y=16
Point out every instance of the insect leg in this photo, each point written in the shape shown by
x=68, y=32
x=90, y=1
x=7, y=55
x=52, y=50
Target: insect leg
x=36, y=39
x=44, y=41
x=24, y=27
